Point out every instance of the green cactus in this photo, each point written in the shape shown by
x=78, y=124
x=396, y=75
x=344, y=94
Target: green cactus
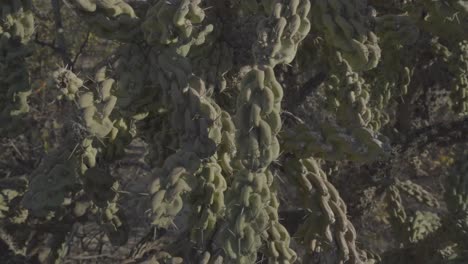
x=422, y=224
x=345, y=27
x=114, y=19
x=12, y=190
x=16, y=29
x=417, y=192
x=460, y=81
x=327, y=222
x=456, y=196
x=51, y=187
x=210, y=88
x=258, y=123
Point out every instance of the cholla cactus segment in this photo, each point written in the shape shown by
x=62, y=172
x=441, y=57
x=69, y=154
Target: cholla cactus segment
x=398, y=217
x=332, y=142
x=17, y=20
x=386, y=88
x=120, y=137
x=398, y=35
x=258, y=123
x=227, y=149
x=417, y=192
x=460, y=5
x=399, y=30
x=199, y=133
x=446, y=10
x=173, y=180
x=331, y=223
x=115, y=223
x=11, y=192
x=397, y=210
x=456, y=60
x=94, y=119
x=421, y=225
x=211, y=62
x=172, y=23
x=444, y=19
x=347, y=29
x=369, y=257
x=16, y=29
x=79, y=152
x=452, y=254
x=100, y=186
x=248, y=216
x=456, y=194
x=95, y=112
x=209, y=197
x=194, y=117
x=348, y=96
x=459, y=93
x=278, y=239
x=102, y=189
x=258, y=119
x=133, y=79
x=163, y=257
x=67, y=83
x=208, y=258
x=52, y=184
x=280, y=34
x=113, y=19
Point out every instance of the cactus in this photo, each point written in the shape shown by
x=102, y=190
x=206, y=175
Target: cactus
x=170, y=26
x=422, y=224
x=327, y=221
x=460, y=82
x=11, y=192
x=210, y=88
x=456, y=195
x=16, y=29
x=346, y=28
x=42, y=198
x=352, y=132
x=113, y=19
x=258, y=124
x=211, y=62
x=417, y=192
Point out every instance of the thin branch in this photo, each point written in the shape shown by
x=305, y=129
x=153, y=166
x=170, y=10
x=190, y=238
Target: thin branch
x=45, y=44
x=80, y=51
x=59, y=36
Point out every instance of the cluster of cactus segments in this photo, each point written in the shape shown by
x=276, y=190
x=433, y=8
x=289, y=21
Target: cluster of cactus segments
x=411, y=227
x=456, y=197
x=347, y=28
x=11, y=192
x=16, y=30
x=113, y=19
x=192, y=116
x=460, y=81
x=252, y=208
x=210, y=104
x=326, y=223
